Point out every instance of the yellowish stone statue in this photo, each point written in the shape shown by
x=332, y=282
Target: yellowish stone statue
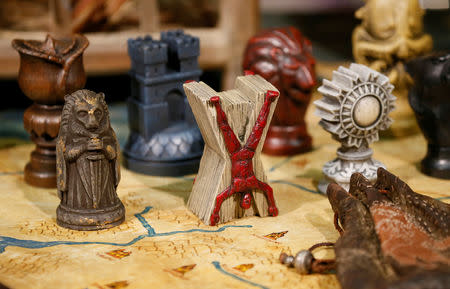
x=391, y=33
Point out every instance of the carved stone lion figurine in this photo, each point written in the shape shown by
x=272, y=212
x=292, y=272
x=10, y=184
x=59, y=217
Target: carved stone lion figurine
x=283, y=57
x=88, y=169
x=391, y=33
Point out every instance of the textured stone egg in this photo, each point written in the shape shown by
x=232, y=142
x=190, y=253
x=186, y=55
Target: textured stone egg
x=366, y=111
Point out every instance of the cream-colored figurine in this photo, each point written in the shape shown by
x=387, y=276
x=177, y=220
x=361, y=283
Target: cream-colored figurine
x=391, y=33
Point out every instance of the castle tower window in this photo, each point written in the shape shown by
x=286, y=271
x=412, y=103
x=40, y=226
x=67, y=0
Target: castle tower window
x=176, y=105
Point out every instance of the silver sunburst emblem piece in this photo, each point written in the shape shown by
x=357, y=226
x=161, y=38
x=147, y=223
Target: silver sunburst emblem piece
x=355, y=106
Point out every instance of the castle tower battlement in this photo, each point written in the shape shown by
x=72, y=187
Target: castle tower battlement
x=184, y=50
x=164, y=137
x=148, y=57
x=175, y=52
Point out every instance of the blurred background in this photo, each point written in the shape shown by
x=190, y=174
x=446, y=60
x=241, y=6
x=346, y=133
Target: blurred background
x=222, y=25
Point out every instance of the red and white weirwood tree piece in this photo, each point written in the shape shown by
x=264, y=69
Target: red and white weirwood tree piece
x=231, y=182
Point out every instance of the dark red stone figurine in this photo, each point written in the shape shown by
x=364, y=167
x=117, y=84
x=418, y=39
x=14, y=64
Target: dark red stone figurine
x=48, y=71
x=283, y=57
x=243, y=179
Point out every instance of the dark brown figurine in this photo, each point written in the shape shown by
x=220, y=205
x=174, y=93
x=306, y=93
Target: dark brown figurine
x=48, y=71
x=87, y=154
x=430, y=100
x=283, y=57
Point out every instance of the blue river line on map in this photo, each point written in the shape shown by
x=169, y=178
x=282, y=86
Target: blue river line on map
x=31, y=244
x=223, y=271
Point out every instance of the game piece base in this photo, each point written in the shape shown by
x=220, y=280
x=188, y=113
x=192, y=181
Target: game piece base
x=178, y=168
x=90, y=219
x=285, y=141
x=39, y=178
x=437, y=162
x=323, y=185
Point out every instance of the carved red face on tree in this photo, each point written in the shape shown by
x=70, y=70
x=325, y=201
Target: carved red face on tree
x=283, y=57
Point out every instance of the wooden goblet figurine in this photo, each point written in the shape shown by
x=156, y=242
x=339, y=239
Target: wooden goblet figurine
x=87, y=154
x=283, y=57
x=48, y=71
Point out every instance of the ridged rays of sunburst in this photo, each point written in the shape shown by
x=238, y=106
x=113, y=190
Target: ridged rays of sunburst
x=341, y=95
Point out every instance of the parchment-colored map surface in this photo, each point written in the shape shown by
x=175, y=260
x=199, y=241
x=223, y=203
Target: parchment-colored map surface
x=162, y=245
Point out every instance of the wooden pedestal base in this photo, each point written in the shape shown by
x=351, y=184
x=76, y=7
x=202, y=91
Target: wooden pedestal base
x=42, y=123
x=41, y=170
x=287, y=140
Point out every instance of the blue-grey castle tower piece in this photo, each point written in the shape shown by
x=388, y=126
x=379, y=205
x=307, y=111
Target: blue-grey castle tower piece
x=164, y=138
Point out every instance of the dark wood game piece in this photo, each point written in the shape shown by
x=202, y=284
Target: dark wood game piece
x=283, y=57
x=430, y=100
x=88, y=165
x=164, y=138
x=48, y=71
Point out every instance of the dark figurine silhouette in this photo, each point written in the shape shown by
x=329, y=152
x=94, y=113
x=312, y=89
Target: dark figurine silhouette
x=430, y=100
x=88, y=169
x=283, y=57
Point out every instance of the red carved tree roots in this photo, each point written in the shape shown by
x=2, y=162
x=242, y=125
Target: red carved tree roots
x=243, y=179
